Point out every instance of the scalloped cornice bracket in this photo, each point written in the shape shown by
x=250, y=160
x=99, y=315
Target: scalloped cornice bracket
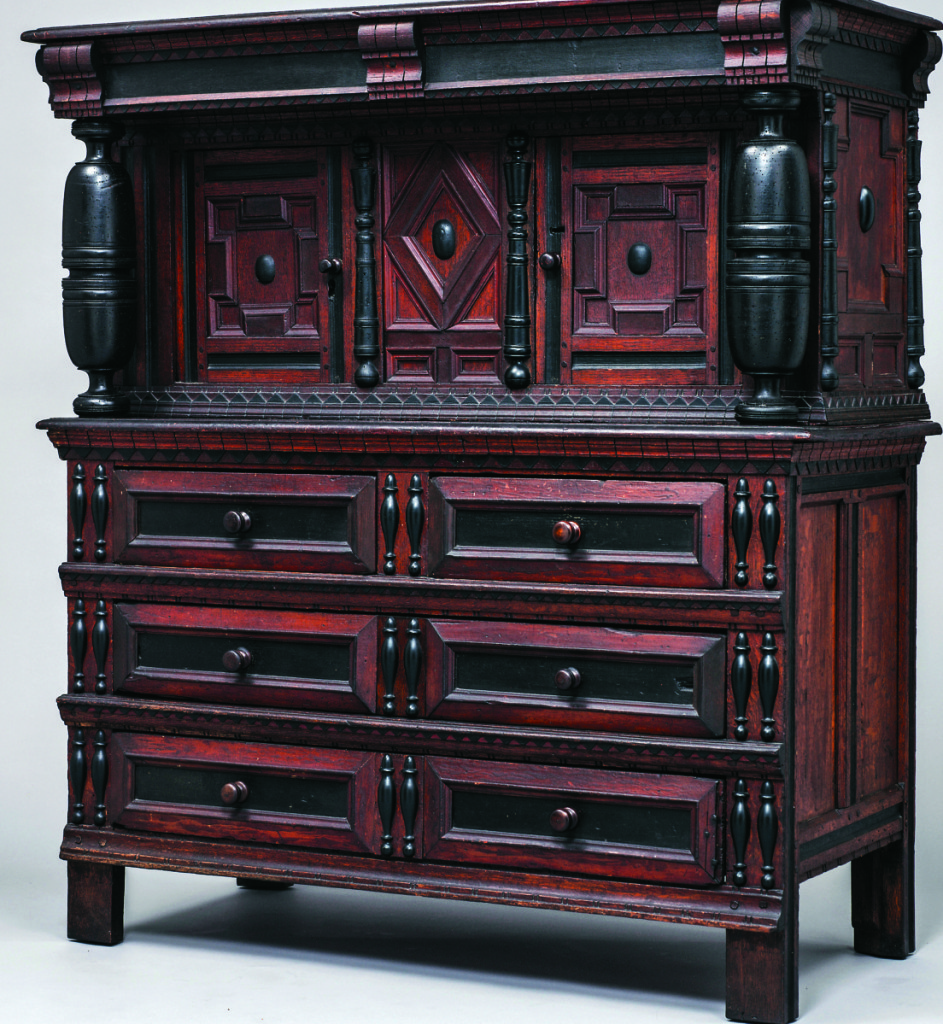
x=813, y=27
x=394, y=65
x=753, y=33
x=75, y=89
x=927, y=52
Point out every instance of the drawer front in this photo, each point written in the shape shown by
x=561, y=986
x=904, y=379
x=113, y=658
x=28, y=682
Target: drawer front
x=258, y=792
x=618, y=532
x=245, y=656
x=653, y=828
x=576, y=677
x=293, y=522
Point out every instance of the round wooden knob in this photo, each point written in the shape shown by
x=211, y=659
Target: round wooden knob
x=566, y=532
x=564, y=819
x=550, y=261
x=233, y=793
x=567, y=678
x=330, y=266
x=237, y=522
x=237, y=660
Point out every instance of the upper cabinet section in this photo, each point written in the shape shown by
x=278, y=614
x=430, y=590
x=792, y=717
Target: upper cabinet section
x=675, y=210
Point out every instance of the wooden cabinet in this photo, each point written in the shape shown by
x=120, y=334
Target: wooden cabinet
x=497, y=474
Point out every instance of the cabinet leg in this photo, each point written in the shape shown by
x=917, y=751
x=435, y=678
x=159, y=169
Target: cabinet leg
x=262, y=884
x=763, y=976
x=96, y=903
x=882, y=902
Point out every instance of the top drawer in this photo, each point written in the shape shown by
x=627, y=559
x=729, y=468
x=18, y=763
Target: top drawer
x=275, y=521
x=618, y=532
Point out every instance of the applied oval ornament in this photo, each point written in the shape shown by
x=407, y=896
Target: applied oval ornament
x=443, y=239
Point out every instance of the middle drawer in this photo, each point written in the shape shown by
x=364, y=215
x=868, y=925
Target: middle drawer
x=314, y=660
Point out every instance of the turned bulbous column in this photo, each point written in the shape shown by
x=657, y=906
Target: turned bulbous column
x=99, y=295
x=769, y=229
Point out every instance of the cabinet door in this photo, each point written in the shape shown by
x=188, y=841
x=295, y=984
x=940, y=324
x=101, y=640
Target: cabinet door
x=640, y=260
x=442, y=270
x=261, y=302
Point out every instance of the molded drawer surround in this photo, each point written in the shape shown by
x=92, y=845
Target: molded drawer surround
x=620, y=532
x=292, y=521
x=659, y=828
x=247, y=656
x=299, y=796
x=576, y=677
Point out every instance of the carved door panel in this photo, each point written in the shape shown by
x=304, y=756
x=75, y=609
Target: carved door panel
x=442, y=268
x=640, y=261
x=261, y=231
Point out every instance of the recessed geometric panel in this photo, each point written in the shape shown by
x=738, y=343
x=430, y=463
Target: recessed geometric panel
x=442, y=187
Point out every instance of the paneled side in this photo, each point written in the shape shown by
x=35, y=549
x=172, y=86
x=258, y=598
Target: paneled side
x=442, y=264
x=817, y=630
x=640, y=268
x=870, y=192
x=879, y=617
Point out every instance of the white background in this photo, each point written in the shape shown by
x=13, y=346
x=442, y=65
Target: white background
x=199, y=950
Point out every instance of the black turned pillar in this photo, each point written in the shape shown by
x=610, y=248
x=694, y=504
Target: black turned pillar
x=99, y=295
x=366, y=319
x=768, y=280
x=517, y=310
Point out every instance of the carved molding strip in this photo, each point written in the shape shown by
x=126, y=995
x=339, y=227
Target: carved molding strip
x=391, y=53
x=749, y=760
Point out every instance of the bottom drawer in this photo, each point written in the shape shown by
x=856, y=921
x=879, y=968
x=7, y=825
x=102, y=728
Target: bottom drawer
x=625, y=825
x=258, y=792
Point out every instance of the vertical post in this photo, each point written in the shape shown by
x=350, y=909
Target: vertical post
x=99, y=295
x=915, y=349
x=828, y=376
x=517, y=310
x=366, y=318
x=768, y=281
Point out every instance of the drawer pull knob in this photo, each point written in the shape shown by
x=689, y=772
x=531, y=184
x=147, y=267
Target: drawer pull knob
x=550, y=261
x=237, y=522
x=567, y=532
x=237, y=660
x=234, y=793
x=564, y=819
x=567, y=679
